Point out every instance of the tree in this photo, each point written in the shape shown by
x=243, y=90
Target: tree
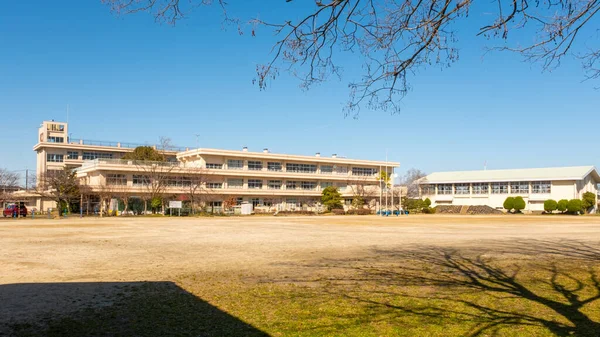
x=395, y=39
x=562, y=205
x=9, y=182
x=574, y=206
x=509, y=204
x=519, y=204
x=197, y=186
x=144, y=153
x=364, y=190
x=427, y=202
x=550, y=205
x=411, y=179
x=331, y=198
x=588, y=201
x=61, y=186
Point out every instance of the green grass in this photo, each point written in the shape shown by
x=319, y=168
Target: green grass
x=424, y=292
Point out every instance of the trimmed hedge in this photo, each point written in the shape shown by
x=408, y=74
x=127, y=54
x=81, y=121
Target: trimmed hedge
x=550, y=205
x=360, y=211
x=296, y=213
x=338, y=211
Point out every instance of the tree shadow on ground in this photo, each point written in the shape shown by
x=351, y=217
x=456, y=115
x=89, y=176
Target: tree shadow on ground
x=553, y=285
x=112, y=309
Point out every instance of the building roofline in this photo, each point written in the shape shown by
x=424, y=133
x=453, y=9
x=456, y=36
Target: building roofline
x=280, y=156
x=592, y=170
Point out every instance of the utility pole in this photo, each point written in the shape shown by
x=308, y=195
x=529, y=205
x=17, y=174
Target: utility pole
x=380, y=191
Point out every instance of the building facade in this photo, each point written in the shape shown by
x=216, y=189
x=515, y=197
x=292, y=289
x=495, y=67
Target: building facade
x=492, y=187
x=269, y=181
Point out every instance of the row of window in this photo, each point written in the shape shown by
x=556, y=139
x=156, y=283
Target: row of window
x=53, y=139
x=519, y=187
x=256, y=165
x=74, y=155
x=142, y=180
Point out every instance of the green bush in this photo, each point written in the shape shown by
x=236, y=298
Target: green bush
x=509, y=203
x=519, y=204
x=428, y=210
x=574, y=206
x=550, y=205
x=331, y=198
x=427, y=202
x=589, y=200
x=562, y=205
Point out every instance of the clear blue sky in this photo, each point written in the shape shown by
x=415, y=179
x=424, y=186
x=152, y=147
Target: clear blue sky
x=129, y=79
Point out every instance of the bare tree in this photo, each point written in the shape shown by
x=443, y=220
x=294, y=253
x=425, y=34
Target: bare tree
x=197, y=189
x=9, y=182
x=397, y=38
x=364, y=191
x=410, y=180
x=61, y=186
x=106, y=192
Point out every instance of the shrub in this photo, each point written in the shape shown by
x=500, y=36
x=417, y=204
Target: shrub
x=338, y=211
x=296, y=213
x=550, y=205
x=589, y=200
x=574, y=206
x=427, y=202
x=562, y=205
x=509, y=203
x=331, y=198
x=519, y=204
x=428, y=210
x=360, y=211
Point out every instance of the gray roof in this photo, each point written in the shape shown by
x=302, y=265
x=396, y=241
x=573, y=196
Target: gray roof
x=530, y=174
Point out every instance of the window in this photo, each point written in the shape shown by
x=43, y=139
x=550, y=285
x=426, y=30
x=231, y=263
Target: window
x=54, y=158
x=214, y=166
x=519, y=187
x=140, y=180
x=235, y=183
x=291, y=185
x=444, y=188
x=499, y=188
x=274, y=184
x=341, y=170
x=341, y=187
x=481, y=188
x=308, y=185
x=348, y=202
x=254, y=165
x=179, y=181
x=239, y=201
x=293, y=201
x=326, y=169
x=364, y=171
x=428, y=189
x=116, y=179
x=268, y=203
x=234, y=164
x=461, y=189
x=301, y=168
x=52, y=139
x=214, y=185
x=325, y=184
x=255, y=183
x=541, y=187
x=255, y=202
x=72, y=155
x=273, y=166
x=96, y=155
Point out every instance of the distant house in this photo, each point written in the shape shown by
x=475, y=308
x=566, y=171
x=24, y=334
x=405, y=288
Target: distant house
x=491, y=187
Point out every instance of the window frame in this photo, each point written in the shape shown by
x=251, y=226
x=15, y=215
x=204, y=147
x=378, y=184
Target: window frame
x=255, y=184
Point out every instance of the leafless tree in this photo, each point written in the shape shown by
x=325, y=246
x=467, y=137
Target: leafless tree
x=364, y=191
x=106, y=192
x=397, y=38
x=61, y=186
x=410, y=180
x=156, y=176
x=9, y=182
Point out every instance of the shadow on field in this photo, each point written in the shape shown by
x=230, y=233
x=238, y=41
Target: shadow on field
x=517, y=286
x=112, y=309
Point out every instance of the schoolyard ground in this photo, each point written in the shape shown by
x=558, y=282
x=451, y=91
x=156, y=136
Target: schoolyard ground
x=428, y=275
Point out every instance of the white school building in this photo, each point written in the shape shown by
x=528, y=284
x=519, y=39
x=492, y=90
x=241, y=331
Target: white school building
x=492, y=187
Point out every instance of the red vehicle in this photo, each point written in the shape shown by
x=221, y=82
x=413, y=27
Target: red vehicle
x=10, y=210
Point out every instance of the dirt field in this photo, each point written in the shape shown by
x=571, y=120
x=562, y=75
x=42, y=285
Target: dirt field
x=215, y=257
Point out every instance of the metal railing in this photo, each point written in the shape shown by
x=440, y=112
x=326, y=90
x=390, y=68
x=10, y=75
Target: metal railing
x=122, y=144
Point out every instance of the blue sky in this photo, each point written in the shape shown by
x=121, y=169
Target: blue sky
x=129, y=79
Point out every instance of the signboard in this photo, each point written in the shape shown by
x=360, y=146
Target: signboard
x=174, y=204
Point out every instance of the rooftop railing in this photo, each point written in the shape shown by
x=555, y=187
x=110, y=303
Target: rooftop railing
x=122, y=145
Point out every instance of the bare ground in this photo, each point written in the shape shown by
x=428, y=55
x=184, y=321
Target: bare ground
x=102, y=256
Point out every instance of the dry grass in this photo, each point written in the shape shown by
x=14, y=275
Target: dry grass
x=346, y=276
